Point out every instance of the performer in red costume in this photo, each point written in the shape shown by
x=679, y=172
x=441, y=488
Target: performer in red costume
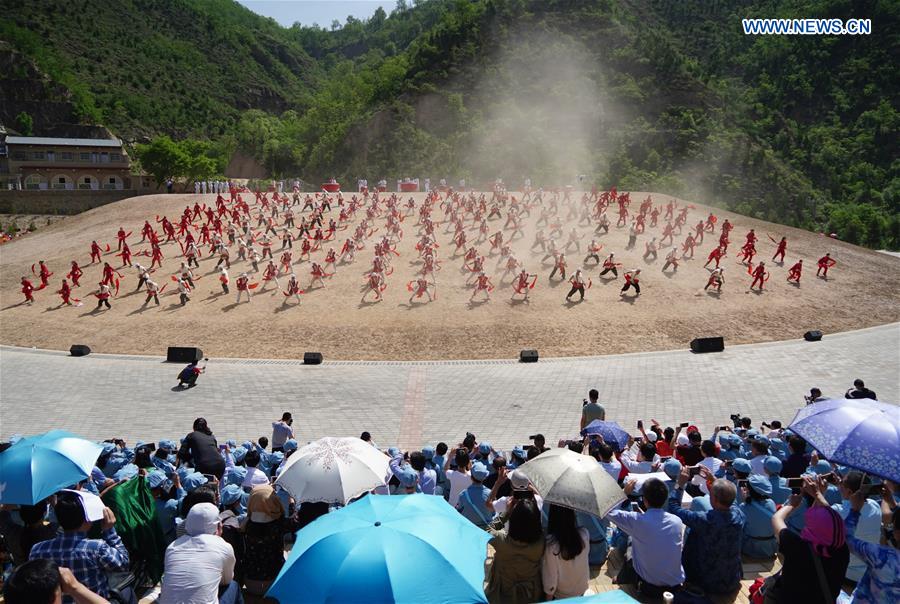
x=632, y=279
x=95, y=252
x=578, y=285
x=717, y=254
x=824, y=263
x=521, y=286
x=671, y=260
x=559, y=266
x=419, y=288
x=145, y=231
x=293, y=289
x=688, y=247
x=75, y=274
x=795, y=271
x=482, y=284
x=711, y=223
x=782, y=248
x=716, y=279
x=747, y=252
x=43, y=274
x=28, y=290
x=609, y=266
x=376, y=284
x=760, y=275
x=121, y=236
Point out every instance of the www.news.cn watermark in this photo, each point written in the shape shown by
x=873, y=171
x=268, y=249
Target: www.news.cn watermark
x=807, y=27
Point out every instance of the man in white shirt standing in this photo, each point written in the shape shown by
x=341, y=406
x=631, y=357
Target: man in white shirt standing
x=282, y=431
x=200, y=564
x=656, y=542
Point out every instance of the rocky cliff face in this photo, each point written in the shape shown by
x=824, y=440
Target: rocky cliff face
x=23, y=87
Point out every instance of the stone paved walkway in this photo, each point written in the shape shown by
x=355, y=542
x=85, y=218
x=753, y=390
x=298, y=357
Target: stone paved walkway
x=411, y=404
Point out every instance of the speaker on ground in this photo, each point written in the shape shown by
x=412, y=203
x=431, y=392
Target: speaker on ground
x=716, y=344
x=183, y=354
x=528, y=356
x=312, y=358
x=79, y=350
x=812, y=336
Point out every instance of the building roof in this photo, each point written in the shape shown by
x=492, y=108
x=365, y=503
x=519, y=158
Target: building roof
x=63, y=142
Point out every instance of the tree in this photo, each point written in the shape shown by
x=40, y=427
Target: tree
x=163, y=158
x=25, y=124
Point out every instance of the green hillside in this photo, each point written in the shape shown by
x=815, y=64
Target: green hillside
x=645, y=94
x=149, y=66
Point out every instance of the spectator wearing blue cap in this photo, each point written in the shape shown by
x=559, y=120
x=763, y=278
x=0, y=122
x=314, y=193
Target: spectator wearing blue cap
x=167, y=496
x=193, y=480
x=517, y=456
x=473, y=501
x=232, y=516
x=408, y=479
x=868, y=524
x=780, y=490
x=672, y=468
x=759, y=536
x=759, y=450
x=728, y=446
x=427, y=478
x=719, y=530
x=821, y=467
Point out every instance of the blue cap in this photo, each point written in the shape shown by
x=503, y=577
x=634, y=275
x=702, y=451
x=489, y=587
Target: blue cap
x=762, y=439
x=821, y=467
x=231, y=494
x=672, y=468
x=742, y=465
x=155, y=479
x=735, y=440
x=274, y=459
x=107, y=447
x=167, y=445
x=184, y=472
x=193, y=480
x=479, y=471
x=393, y=451
x=235, y=475
x=428, y=452
x=289, y=445
x=752, y=433
x=484, y=448
x=126, y=472
x=231, y=443
x=247, y=445
x=407, y=476
x=239, y=454
x=760, y=484
x=772, y=464
x=777, y=444
x=519, y=452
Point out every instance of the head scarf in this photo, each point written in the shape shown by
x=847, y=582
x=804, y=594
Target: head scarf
x=264, y=505
x=824, y=530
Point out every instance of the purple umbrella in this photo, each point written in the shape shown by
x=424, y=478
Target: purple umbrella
x=611, y=432
x=860, y=433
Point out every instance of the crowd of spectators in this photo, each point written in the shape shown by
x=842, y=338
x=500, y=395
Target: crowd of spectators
x=696, y=507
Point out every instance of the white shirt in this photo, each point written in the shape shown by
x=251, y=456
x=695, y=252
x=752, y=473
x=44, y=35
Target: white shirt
x=459, y=482
x=254, y=478
x=613, y=467
x=712, y=464
x=195, y=567
x=566, y=578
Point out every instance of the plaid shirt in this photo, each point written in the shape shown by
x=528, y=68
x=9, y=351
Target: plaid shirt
x=88, y=559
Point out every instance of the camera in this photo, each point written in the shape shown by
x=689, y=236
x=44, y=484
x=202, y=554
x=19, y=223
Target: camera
x=736, y=419
x=694, y=471
x=524, y=494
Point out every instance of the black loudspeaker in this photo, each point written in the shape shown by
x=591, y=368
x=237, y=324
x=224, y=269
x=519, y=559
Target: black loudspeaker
x=716, y=344
x=79, y=350
x=528, y=356
x=182, y=354
x=312, y=358
x=812, y=336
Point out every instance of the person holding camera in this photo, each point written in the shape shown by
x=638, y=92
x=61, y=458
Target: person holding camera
x=282, y=431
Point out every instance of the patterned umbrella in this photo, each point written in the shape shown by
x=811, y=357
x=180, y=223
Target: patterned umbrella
x=612, y=433
x=334, y=470
x=860, y=433
x=575, y=481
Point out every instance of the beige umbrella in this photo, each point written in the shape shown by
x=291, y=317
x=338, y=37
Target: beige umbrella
x=334, y=470
x=575, y=481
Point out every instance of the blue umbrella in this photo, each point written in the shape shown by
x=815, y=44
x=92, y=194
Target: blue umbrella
x=616, y=596
x=38, y=466
x=860, y=433
x=386, y=548
x=611, y=432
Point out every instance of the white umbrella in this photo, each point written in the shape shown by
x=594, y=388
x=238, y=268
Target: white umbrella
x=334, y=470
x=575, y=481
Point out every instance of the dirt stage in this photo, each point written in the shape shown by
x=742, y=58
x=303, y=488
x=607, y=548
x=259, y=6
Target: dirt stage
x=862, y=290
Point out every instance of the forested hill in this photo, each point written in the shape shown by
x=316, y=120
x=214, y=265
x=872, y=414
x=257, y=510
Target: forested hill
x=185, y=67
x=645, y=94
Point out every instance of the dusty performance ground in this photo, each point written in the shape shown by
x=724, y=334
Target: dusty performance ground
x=673, y=308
